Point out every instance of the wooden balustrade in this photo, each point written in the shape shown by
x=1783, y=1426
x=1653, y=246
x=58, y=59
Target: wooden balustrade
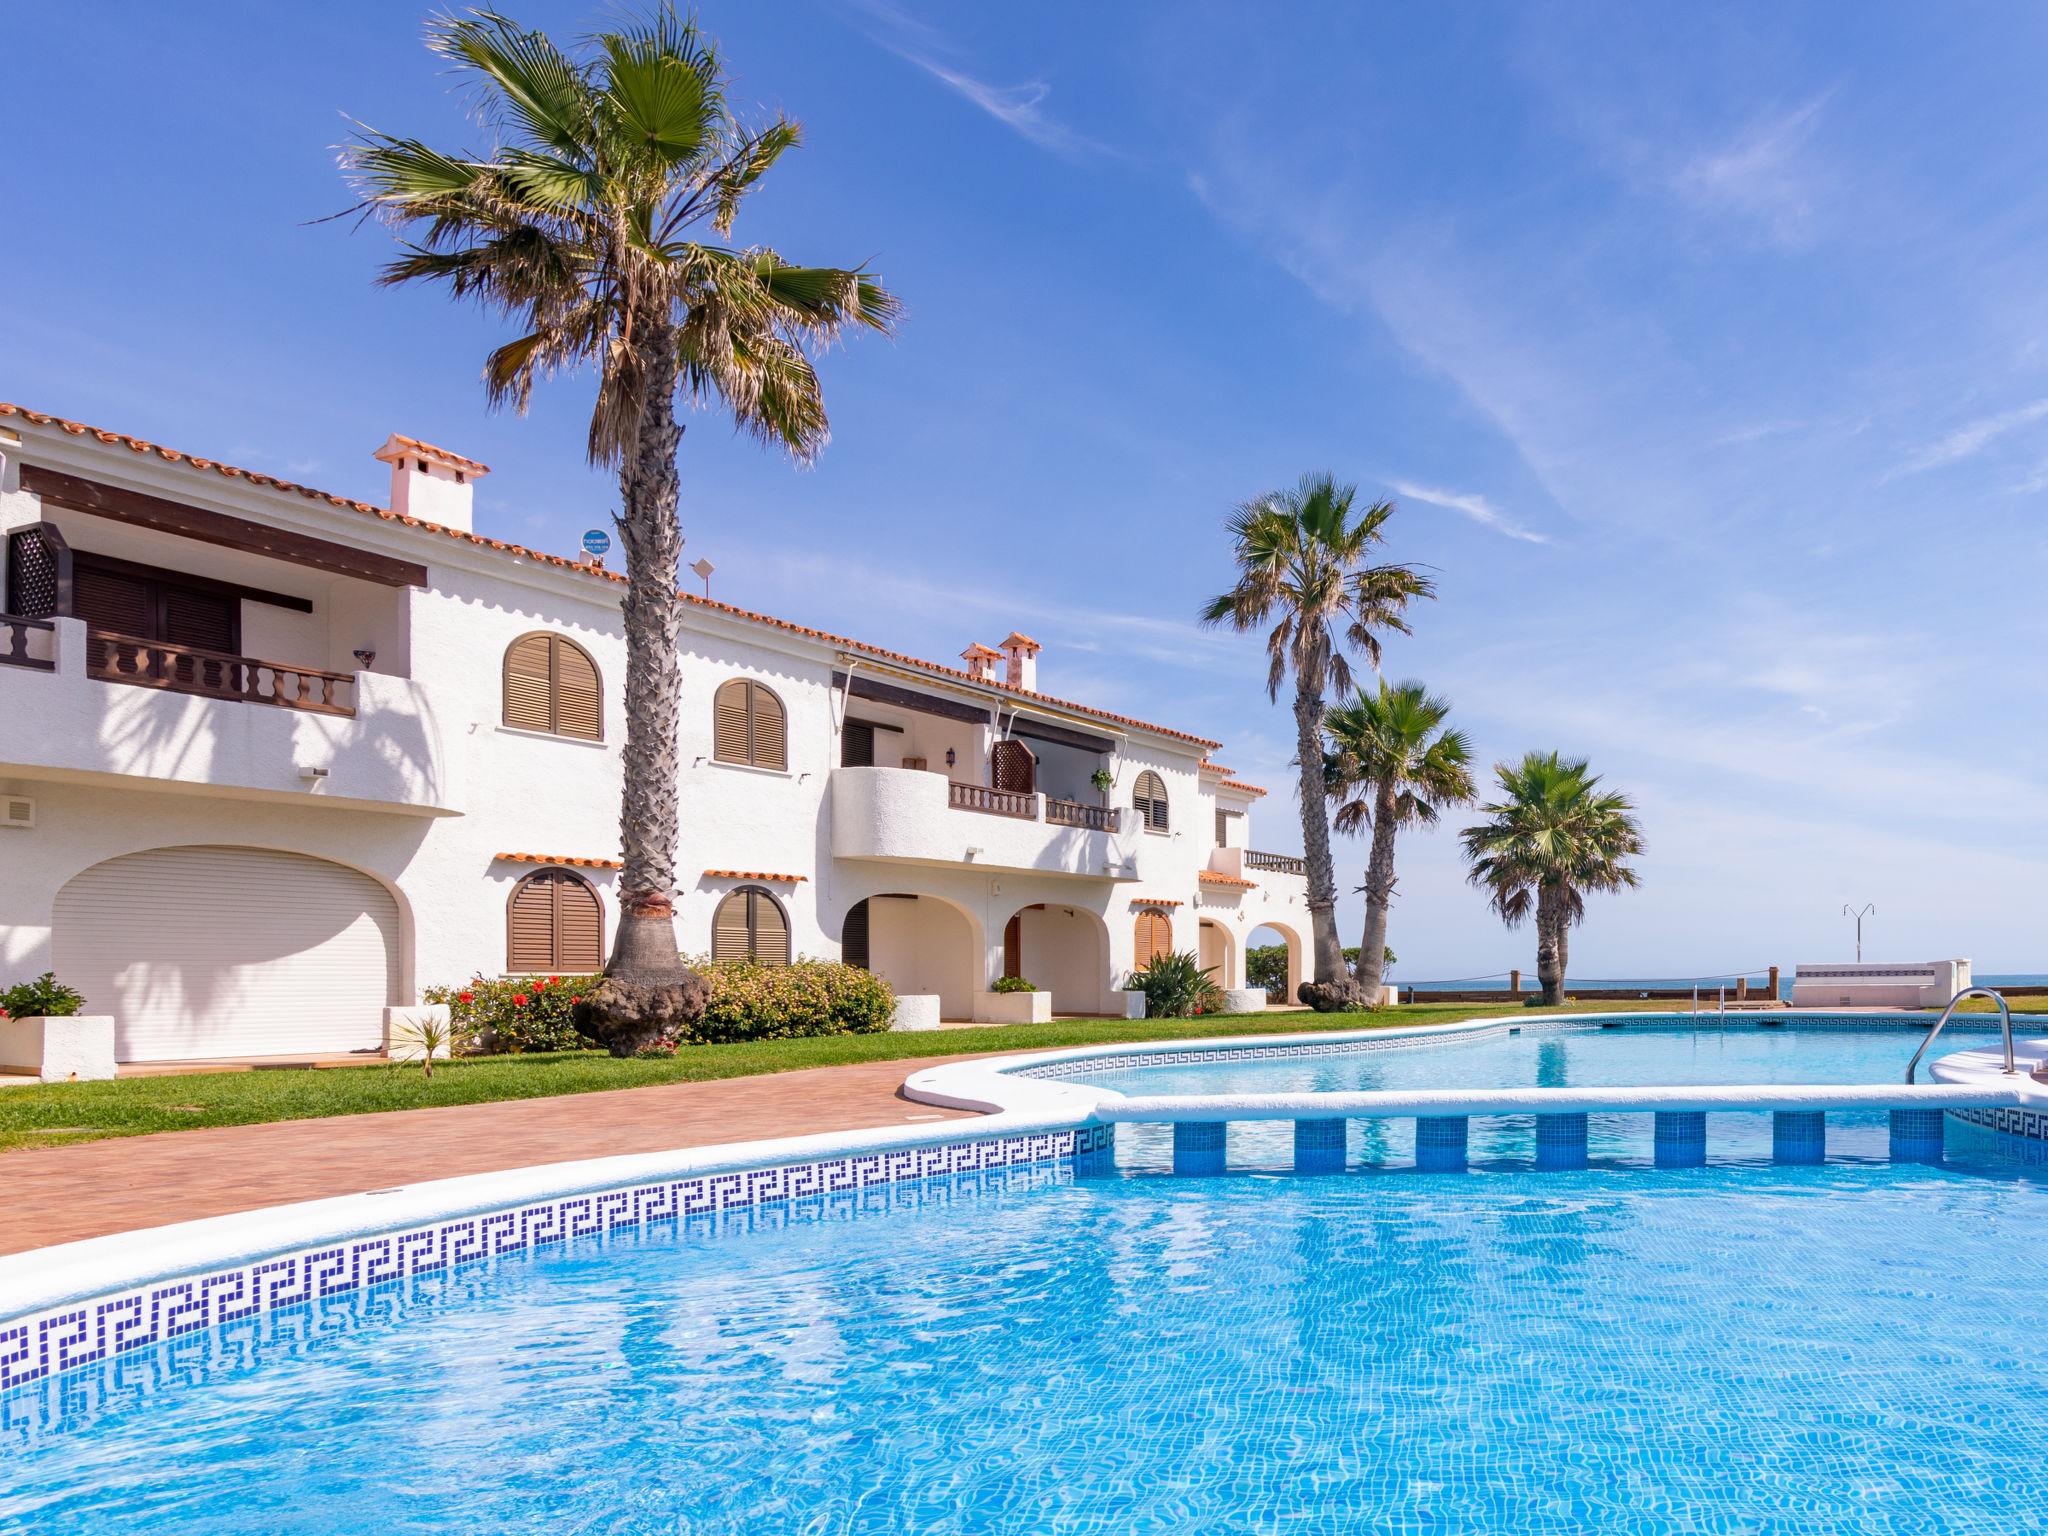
x=1071, y=813
x=15, y=644
x=991, y=802
x=1280, y=863
x=216, y=674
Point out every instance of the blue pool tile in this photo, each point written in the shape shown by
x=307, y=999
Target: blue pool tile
x=1917, y=1135
x=1198, y=1146
x=1319, y=1146
x=1799, y=1137
x=1560, y=1141
x=1681, y=1138
x=1440, y=1143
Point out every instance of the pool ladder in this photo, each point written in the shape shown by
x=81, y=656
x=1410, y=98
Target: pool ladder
x=2004, y=1025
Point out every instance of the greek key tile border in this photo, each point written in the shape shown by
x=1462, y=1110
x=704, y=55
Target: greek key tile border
x=38, y=1347
x=1089, y=1066
x=2030, y=1123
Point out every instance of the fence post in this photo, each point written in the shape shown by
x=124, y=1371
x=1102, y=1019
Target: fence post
x=1515, y=982
x=1774, y=983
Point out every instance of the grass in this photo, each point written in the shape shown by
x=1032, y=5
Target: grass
x=62, y=1113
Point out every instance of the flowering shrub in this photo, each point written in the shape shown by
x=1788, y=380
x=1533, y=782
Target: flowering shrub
x=515, y=1014
x=783, y=1002
x=1012, y=984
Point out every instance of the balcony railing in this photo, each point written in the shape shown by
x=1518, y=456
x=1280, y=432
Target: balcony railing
x=991, y=802
x=1279, y=863
x=216, y=674
x=16, y=648
x=1071, y=813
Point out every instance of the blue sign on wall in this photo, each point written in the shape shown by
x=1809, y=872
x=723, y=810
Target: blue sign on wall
x=596, y=542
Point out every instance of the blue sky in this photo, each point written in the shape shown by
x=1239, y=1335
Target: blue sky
x=1702, y=348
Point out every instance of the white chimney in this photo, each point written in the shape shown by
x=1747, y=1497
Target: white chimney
x=1020, y=655
x=981, y=661
x=431, y=483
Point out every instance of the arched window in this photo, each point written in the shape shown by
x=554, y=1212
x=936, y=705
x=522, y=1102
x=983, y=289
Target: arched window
x=554, y=922
x=750, y=925
x=748, y=726
x=1148, y=799
x=1154, y=937
x=552, y=685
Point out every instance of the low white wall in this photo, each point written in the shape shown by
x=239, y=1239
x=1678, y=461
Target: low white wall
x=1134, y=1003
x=1244, y=999
x=1013, y=1008
x=76, y=1049
x=916, y=1010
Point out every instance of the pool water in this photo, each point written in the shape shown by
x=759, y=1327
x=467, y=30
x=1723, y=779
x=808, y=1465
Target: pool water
x=1844, y=1349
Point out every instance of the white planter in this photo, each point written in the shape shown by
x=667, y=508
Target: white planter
x=916, y=1010
x=1244, y=999
x=1014, y=1008
x=78, y=1049
x=1134, y=1003
x=1389, y=995
x=404, y=1037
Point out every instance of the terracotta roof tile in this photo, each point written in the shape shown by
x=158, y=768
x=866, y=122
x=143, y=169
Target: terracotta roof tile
x=1217, y=768
x=1153, y=901
x=520, y=551
x=1211, y=877
x=754, y=874
x=1242, y=789
x=985, y=652
x=557, y=858
x=413, y=445
x=1019, y=638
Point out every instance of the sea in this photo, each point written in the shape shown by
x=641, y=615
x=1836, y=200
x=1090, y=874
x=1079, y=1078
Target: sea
x=1708, y=985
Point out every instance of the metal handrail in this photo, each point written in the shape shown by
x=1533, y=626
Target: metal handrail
x=2004, y=1024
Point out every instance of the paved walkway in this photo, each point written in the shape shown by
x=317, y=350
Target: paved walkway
x=61, y=1194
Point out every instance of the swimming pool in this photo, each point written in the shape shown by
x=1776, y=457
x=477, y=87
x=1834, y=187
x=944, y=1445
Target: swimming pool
x=1755, y=1349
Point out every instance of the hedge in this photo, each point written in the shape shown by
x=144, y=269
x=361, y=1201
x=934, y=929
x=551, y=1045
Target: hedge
x=786, y=1002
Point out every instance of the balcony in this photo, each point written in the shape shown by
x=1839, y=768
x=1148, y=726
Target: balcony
x=908, y=815
x=103, y=708
x=1276, y=863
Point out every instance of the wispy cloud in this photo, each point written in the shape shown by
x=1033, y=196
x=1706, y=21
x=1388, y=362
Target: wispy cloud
x=1764, y=175
x=1469, y=504
x=1018, y=107
x=1972, y=438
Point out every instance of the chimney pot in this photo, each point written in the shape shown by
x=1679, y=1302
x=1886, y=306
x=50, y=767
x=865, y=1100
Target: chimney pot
x=1020, y=654
x=431, y=483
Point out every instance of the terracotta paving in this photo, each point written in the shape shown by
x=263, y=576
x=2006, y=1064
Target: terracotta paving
x=61, y=1194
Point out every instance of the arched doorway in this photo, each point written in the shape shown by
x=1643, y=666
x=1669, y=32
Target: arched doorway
x=1282, y=979
x=212, y=951
x=920, y=945
x=1061, y=950
x=1218, y=952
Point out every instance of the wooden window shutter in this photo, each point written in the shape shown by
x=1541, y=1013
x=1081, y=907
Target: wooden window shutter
x=768, y=732
x=1013, y=946
x=579, y=927
x=528, y=665
x=579, y=698
x=1223, y=829
x=202, y=620
x=729, y=722
x=731, y=933
x=554, y=923
x=749, y=925
x=857, y=745
x=853, y=938
x=1154, y=937
x=1148, y=799
x=771, y=930
x=119, y=604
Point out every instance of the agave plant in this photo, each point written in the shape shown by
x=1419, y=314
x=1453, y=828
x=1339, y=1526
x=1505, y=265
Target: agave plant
x=1177, y=986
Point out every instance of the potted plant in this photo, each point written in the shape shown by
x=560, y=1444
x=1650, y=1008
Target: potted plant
x=1102, y=779
x=44, y=1029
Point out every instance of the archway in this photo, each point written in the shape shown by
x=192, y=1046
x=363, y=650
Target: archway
x=1062, y=950
x=921, y=945
x=1218, y=952
x=1293, y=969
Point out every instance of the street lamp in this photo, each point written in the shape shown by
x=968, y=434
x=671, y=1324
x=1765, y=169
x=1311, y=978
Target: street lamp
x=1849, y=911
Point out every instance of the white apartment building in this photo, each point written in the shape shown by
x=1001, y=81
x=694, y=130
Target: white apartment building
x=272, y=760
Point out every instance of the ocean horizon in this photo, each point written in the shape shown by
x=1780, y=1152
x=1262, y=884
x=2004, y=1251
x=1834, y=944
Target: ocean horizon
x=1758, y=980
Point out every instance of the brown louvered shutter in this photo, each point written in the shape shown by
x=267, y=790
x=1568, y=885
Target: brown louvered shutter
x=120, y=604
x=1148, y=799
x=771, y=930
x=769, y=731
x=857, y=745
x=729, y=722
x=731, y=934
x=527, y=669
x=202, y=620
x=853, y=938
x=530, y=925
x=579, y=927
x=579, y=708
x=1013, y=946
x=1154, y=937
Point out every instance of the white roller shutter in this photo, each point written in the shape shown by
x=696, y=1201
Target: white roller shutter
x=230, y=952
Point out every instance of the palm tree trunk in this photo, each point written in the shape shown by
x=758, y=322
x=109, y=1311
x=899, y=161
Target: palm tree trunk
x=1379, y=893
x=645, y=951
x=1315, y=832
x=1549, y=945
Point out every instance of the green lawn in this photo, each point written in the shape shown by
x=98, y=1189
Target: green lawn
x=60, y=1113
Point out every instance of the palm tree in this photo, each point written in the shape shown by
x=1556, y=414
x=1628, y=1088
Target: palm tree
x=1553, y=836
x=580, y=226
x=1302, y=564
x=1393, y=764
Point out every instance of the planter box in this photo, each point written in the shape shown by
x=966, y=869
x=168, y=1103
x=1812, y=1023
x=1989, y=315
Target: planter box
x=1134, y=1004
x=78, y=1049
x=1013, y=1008
x=1244, y=999
x=916, y=1010
x=402, y=1031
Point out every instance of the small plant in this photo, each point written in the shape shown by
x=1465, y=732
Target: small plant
x=429, y=1034
x=1102, y=779
x=503, y=1014
x=1177, y=986
x=1013, y=984
x=46, y=997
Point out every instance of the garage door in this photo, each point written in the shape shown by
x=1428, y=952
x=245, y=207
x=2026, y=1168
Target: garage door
x=230, y=952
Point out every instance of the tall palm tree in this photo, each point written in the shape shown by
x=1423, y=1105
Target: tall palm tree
x=581, y=226
x=1393, y=764
x=1302, y=565
x=1553, y=836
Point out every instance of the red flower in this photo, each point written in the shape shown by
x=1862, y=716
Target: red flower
x=576, y=999
x=465, y=997
x=518, y=999
x=552, y=981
